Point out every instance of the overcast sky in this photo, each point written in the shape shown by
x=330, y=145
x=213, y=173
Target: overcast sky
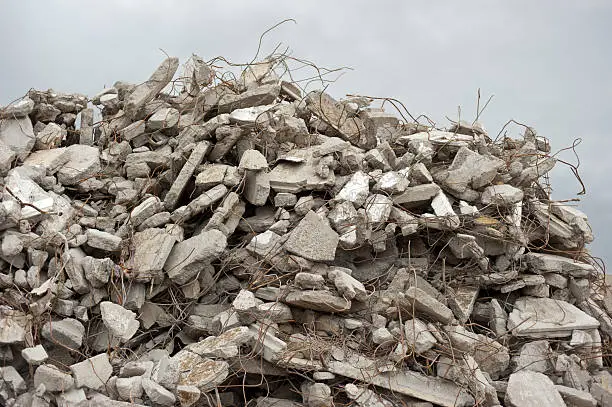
x=548, y=63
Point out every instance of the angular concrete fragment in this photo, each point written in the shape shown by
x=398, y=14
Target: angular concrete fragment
x=119, y=321
x=20, y=108
x=318, y=300
x=203, y=373
x=356, y=190
x=52, y=378
x=550, y=263
x=443, y=209
x=49, y=137
x=157, y=393
x=417, y=336
x=187, y=257
x=535, y=356
x=146, y=91
x=151, y=250
x=51, y=160
x=103, y=240
x=349, y=287
x=313, y=239
x=35, y=356
x=253, y=160
x=526, y=389
x=378, y=208
x=92, y=373
x=18, y=135
x=435, y=390
x=461, y=301
x=67, y=332
x=28, y=192
x=12, y=326
x=257, y=187
x=335, y=115
x=195, y=159
x=417, y=195
x=547, y=318
x=423, y=302
x=502, y=195
x=129, y=388
x=83, y=163
x=145, y=210
x=471, y=170
x=164, y=118
x=294, y=177
x=491, y=356
x=262, y=95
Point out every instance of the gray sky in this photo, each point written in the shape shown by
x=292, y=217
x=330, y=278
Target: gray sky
x=548, y=63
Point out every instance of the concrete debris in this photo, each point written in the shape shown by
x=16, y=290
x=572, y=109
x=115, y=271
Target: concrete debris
x=119, y=321
x=527, y=388
x=200, y=242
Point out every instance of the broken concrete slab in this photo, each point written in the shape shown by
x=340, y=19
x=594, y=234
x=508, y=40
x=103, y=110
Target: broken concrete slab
x=527, y=388
x=120, y=322
x=313, y=239
x=186, y=257
x=146, y=91
x=92, y=373
x=176, y=190
x=18, y=135
x=547, y=318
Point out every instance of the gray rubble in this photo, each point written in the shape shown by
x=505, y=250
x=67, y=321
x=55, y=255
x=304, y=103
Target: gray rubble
x=230, y=238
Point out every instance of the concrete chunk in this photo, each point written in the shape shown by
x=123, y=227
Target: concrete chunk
x=547, y=318
x=427, y=304
x=35, y=356
x=195, y=159
x=67, y=332
x=187, y=257
x=526, y=389
x=52, y=378
x=120, y=322
x=146, y=91
x=92, y=373
x=313, y=239
x=318, y=300
x=18, y=135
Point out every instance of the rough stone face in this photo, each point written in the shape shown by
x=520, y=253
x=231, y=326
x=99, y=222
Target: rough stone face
x=120, y=322
x=52, y=378
x=526, y=388
x=35, y=356
x=322, y=301
x=151, y=250
x=83, y=163
x=157, y=393
x=200, y=372
x=547, y=318
x=425, y=303
x=146, y=91
x=195, y=159
x=18, y=135
x=92, y=373
x=313, y=239
x=502, y=195
x=67, y=332
x=186, y=257
x=417, y=335
x=356, y=190
x=103, y=240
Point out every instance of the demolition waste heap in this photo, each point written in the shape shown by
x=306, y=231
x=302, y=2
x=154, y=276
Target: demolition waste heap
x=219, y=239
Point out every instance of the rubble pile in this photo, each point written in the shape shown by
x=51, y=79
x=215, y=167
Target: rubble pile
x=231, y=241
